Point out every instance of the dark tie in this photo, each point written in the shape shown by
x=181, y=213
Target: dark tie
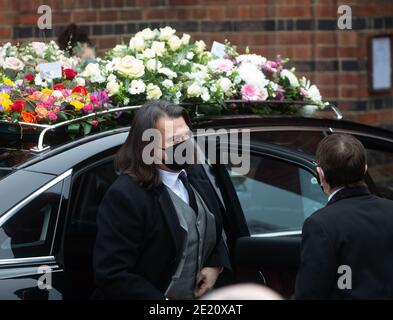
x=191, y=194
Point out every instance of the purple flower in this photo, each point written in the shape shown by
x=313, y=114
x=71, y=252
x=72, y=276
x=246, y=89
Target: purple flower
x=6, y=89
x=99, y=98
x=1, y=108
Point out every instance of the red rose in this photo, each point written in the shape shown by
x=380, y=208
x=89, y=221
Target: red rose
x=58, y=86
x=18, y=105
x=69, y=74
x=80, y=89
x=29, y=77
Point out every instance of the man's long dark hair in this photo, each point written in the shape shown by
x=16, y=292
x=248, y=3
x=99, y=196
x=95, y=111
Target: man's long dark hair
x=129, y=158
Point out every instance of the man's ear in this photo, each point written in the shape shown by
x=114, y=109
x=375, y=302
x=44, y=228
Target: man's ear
x=321, y=175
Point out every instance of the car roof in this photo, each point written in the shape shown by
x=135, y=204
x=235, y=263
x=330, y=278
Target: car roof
x=16, y=155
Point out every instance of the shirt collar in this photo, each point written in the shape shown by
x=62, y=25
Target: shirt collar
x=334, y=192
x=169, y=178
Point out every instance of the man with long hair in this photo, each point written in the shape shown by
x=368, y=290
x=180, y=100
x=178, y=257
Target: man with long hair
x=159, y=225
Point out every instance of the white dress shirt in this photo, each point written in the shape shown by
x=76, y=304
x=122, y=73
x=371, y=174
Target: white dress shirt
x=172, y=181
x=334, y=192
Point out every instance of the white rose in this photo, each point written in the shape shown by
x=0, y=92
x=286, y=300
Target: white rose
x=93, y=72
x=153, y=65
x=205, y=94
x=131, y=67
x=185, y=39
x=174, y=43
x=168, y=72
x=137, y=87
x=224, y=84
x=286, y=74
x=153, y=92
x=110, y=66
x=251, y=58
x=112, y=78
x=190, y=55
x=194, y=90
x=200, y=46
x=119, y=47
x=147, y=34
x=137, y=43
x=18, y=82
x=147, y=54
x=158, y=47
x=113, y=87
x=13, y=64
x=39, y=48
x=80, y=81
x=167, y=83
x=166, y=33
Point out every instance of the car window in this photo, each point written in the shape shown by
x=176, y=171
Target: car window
x=304, y=141
x=276, y=196
x=380, y=169
x=88, y=190
x=29, y=232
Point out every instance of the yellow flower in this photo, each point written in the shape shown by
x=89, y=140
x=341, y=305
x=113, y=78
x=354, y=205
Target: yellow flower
x=5, y=102
x=77, y=104
x=7, y=81
x=47, y=91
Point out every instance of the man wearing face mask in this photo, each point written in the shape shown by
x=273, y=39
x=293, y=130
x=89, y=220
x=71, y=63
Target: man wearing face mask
x=159, y=225
x=347, y=247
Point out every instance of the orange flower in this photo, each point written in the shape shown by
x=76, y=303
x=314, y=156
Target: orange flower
x=36, y=96
x=41, y=112
x=28, y=117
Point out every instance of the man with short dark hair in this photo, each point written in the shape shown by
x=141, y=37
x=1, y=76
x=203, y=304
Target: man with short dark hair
x=347, y=247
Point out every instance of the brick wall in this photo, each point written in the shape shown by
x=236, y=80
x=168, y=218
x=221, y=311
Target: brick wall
x=304, y=30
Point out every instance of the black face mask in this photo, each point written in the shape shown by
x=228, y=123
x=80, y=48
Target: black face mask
x=179, y=159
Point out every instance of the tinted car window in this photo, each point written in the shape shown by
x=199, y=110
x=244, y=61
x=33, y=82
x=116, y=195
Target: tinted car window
x=29, y=232
x=306, y=141
x=380, y=169
x=276, y=196
x=88, y=190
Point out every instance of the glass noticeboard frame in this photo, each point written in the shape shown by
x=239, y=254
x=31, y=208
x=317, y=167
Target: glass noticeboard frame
x=380, y=63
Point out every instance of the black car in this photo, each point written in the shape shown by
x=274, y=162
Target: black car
x=49, y=201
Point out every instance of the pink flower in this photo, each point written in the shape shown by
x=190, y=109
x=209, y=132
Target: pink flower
x=52, y=116
x=270, y=66
x=221, y=65
x=88, y=108
x=280, y=93
x=252, y=93
x=94, y=123
x=303, y=92
x=65, y=92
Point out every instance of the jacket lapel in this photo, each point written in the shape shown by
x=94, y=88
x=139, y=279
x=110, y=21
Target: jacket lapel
x=171, y=218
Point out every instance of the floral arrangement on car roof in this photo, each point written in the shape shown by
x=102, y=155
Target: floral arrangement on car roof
x=155, y=64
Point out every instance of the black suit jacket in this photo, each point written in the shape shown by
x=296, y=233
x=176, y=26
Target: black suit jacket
x=354, y=229
x=139, y=238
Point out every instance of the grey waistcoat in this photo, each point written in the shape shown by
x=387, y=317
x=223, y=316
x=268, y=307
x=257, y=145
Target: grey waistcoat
x=198, y=243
